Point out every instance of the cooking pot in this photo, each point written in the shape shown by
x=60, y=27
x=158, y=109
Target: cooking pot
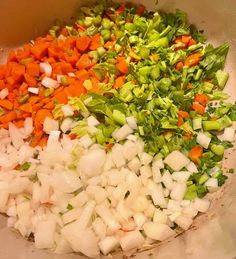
x=213, y=234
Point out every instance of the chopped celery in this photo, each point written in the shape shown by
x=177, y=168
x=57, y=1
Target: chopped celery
x=25, y=61
x=106, y=34
x=47, y=92
x=197, y=123
x=64, y=80
x=207, y=87
x=203, y=179
x=191, y=193
x=23, y=98
x=1, y=111
x=218, y=149
x=222, y=78
x=225, y=122
x=88, y=84
x=119, y=117
x=211, y=125
x=100, y=137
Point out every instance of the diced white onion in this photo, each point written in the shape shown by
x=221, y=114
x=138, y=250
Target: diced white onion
x=122, y=133
x=33, y=90
x=157, y=231
x=45, y=68
x=176, y=160
x=229, y=134
x=4, y=93
x=67, y=110
x=49, y=82
x=131, y=121
x=131, y=240
x=203, y=139
x=92, y=121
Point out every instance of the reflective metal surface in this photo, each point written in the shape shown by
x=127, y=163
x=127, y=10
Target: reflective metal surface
x=214, y=234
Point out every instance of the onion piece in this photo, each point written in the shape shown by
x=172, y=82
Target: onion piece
x=131, y=240
x=108, y=244
x=157, y=231
x=203, y=139
x=176, y=160
x=4, y=93
x=44, y=234
x=67, y=110
x=33, y=90
x=45, y=68
x=49, y=82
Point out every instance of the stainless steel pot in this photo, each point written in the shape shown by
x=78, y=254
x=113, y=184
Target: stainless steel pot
x=214, y=234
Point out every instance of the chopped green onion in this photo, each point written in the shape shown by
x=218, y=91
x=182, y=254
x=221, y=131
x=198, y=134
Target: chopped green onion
x=25, y=166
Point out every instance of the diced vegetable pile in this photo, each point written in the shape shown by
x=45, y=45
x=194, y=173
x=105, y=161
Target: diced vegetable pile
x=112, y=130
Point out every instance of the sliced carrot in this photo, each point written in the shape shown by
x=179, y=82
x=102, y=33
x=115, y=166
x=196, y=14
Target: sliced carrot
x=27, y=107
x=6, y=104
x=72, y=56
x=4, y=126
x=119, y=82
x=82, y=43
x=109, y=45
x=18, y=69
x=66, y=68
x=202, y=99
x=13, y=80
x=190, y=86
x=195, y=153
x=180, y=121
x=32, y=69
x=2, y=84
x=193, y=59
x=19, y=123
x=49, y=106
x=30, y=80
x=82, y=74
x=188, y=135
x=192, y=42
x=37, y=106
x=8, y=117
x=84, y=62
x=39, y=50
x=56, y=68
x=33, y=99
x=43, y=142
x=55, y=51
x=179, y=65
x=95, y=42
x=122, y=65
x=185, y=39
x=23, y=53
x=198, y=107
x=109, y=146
x=70, y=42
x=183, y=114
x=75, y=89
x=23, y=87
x=11, y=56
x=3, y=70
x=42, y=114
